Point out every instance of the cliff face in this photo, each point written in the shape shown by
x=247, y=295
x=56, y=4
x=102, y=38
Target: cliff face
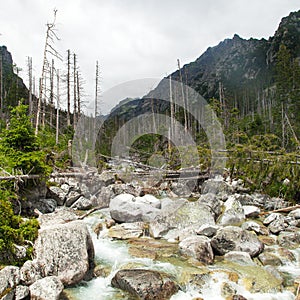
x=13, y=88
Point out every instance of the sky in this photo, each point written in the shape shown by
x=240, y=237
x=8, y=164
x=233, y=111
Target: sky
x=132, y=39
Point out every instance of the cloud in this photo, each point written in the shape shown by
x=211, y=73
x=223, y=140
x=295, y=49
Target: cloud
x=133, y=39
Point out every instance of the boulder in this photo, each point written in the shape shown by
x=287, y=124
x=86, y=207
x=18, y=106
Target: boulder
x=272, y=217
x=277, y=225
x=58, y=194
x=46, y=206
x=149, y=199
x=9, y=279
x=103, y=198
x=232, y=238
x=268, y=258
x=31, y=271
x=239, y=257
x=253, y=226
x=207, y=230
x=251, y=211
x=289, y=240
x=212, y=202
x=295, y=214
x=126, y=231
x=48, y=288
x=22, y=292
x=59, y=216
x=197, y=247
x=65, y=250
x=144, y=284
x=124, y=208
x=82, y=204
x=72, y=197
x=233, y=214
x=217, y=187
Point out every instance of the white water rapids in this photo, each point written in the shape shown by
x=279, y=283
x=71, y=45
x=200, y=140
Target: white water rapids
x=114, y=255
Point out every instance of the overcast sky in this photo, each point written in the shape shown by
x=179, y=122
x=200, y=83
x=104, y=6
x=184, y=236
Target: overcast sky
x=133, y=39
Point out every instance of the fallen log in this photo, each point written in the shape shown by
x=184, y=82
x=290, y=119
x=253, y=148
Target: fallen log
x=286, y=209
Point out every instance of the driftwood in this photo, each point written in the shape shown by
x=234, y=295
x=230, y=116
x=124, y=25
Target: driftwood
x=286, y=209
x=19, y=177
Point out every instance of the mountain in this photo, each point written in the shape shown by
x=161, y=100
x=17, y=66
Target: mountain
x=254, y=86
x=13, y=88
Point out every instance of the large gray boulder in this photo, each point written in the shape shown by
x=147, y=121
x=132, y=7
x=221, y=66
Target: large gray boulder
x=58, y=194
x=48, y=288
x=233, y=214
x=233, y=238
x=197, y=247
x=65, y=250
x=9, y=279
x=125, y=208
x=212, y=202
x=144, y=284
x=82, y=204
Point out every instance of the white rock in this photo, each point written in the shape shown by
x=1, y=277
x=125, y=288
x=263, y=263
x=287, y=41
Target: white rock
x=48, y=288
x=251, y=211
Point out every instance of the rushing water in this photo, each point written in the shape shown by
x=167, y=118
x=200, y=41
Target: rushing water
x=113, y=255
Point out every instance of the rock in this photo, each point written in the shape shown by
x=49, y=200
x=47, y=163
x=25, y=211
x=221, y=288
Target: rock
x=277, y=225
x=216, y=187
x=272, y=217
x=126, y=231
x=197, y=247
x=65, y=187
x=207, y=230
x=107, y=178
x=46, y=206
x=22, y=292
x=212, y=202
x=295, y=214
x=65, y=250
x=267, y=258
x=124, y=208
x=126, y=189
x=272, y=270
x=149, y=199
x=103, y=198
x=233, y=214
x=253, y=226
x=144, y=284
x=30, y=272
x=59, y=216
x=158, y=229
x=58, y=194
x=9, y=279
x=82, y=204
x=232, y=238
x=48, y=288
x=251, y=211
x=72, y=197
x=239, y=257
x=275, y=203
x=255, y=199
x=289, y=240
x=20, y=251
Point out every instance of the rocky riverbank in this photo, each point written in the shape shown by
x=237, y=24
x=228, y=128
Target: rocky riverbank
x=218, y=239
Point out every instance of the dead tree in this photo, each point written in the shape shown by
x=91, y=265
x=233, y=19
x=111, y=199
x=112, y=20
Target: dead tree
x=183, y=96
x=51, y=37
x=68, y=89
x=57, y=107
x=30, y=102
x=75, y=92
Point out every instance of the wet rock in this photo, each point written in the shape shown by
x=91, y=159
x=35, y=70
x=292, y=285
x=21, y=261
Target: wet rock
x=251, y=211
x=233, y=214
x=267, y=258
x=197, y=247
x=126, y=231
x=232, y=238
x=207, y=230
x=144, y=284
x=48, y=288
x=289, y=240
x=272, y=270
x=212, y=202
x=216, y=187
x=124, y=208
x=286, y=255
x=239, y=257
x=65, y=250
x=237, y=297
x=72, y=197
x=227, y=290
x=82, y=204
x=31, y=271
x=22, y=292
x=58, y=194
x=295, y=214
x=9, y=279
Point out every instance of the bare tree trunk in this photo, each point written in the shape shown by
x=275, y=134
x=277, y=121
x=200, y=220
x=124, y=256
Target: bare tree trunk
x=1, y=84
x=51, y=93
x=78, y=95
x=75, y=92
x=68, y=91
x=30, y=89
x=183, y=96
x=38, y=107
x=57, y=108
